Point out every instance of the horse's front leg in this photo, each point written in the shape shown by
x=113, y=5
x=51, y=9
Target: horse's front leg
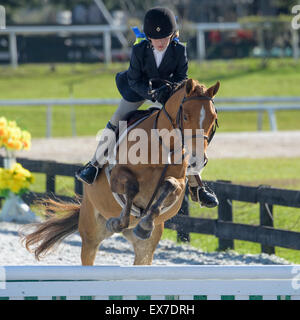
x=168, y=193
x=123, y=181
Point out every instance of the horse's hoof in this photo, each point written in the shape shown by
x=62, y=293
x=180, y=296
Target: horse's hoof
x=113, y=225
x=141, y=233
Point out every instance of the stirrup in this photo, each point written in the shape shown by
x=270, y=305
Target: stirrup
x=86, y=167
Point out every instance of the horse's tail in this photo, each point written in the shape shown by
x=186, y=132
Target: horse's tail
x=62, y=221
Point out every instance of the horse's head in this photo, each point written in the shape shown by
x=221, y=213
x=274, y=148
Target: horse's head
x=196, y=112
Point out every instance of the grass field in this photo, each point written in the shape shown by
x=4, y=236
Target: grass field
x=238, y=78
x=245, y=77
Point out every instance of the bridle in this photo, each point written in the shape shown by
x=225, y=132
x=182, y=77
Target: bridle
x=179, y=119
x=179, y=124
x=179, y=116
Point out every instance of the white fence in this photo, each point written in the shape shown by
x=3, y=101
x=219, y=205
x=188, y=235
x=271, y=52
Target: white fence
x=252, y=104
x=209, y=282
x=107, y=30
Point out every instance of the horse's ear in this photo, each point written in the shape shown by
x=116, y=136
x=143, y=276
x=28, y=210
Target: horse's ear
x=212, y=91
x=189, y=87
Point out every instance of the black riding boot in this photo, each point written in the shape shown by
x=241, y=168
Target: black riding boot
x=204, y=195
x=201, y=193
x=90, y=171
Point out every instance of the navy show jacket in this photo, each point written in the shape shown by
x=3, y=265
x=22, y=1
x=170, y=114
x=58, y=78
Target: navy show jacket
x=133, y=83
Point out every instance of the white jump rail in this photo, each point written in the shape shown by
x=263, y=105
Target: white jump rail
x=274, y=282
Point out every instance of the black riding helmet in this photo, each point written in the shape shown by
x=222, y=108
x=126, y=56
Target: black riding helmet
x=159, y=23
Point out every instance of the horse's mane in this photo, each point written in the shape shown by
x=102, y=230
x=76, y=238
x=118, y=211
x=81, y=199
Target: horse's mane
x=179, y=86
x=198, y=90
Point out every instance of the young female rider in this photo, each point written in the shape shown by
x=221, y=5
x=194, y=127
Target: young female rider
x=160, y=56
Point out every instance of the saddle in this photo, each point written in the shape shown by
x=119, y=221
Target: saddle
x=136, y=116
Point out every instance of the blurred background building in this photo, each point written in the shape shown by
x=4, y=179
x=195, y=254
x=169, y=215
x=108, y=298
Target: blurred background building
x=264, y=28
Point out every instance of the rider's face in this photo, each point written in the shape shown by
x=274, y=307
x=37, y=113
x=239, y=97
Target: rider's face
x=161, y=44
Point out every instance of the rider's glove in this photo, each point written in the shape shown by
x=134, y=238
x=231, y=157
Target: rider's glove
x=162, y=94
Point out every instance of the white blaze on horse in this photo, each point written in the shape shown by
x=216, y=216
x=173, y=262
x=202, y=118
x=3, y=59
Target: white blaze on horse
x=153, y=193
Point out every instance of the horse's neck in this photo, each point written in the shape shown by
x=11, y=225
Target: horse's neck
x=171, y=107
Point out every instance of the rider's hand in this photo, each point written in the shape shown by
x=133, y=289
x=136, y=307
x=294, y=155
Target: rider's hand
x=162, y=94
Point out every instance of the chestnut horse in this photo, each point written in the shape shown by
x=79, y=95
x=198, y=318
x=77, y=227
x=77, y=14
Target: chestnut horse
x=158, y=189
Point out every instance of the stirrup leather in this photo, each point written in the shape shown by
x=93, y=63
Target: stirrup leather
x=194, y=193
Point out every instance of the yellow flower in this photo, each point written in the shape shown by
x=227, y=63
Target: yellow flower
x=15, y=179
x=3, y=132
x=3, y=122
x=26, y=145
x=15, y=133
x=15, y=188
x=26, y=135
x=17, y=145
x=12, y=124
x=11, y=145
x=26, y=140
x=12, y=137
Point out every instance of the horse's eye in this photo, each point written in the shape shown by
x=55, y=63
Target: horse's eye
x=185, y=117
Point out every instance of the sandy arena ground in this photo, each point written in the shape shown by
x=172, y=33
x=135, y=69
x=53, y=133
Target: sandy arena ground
x=224, y=145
